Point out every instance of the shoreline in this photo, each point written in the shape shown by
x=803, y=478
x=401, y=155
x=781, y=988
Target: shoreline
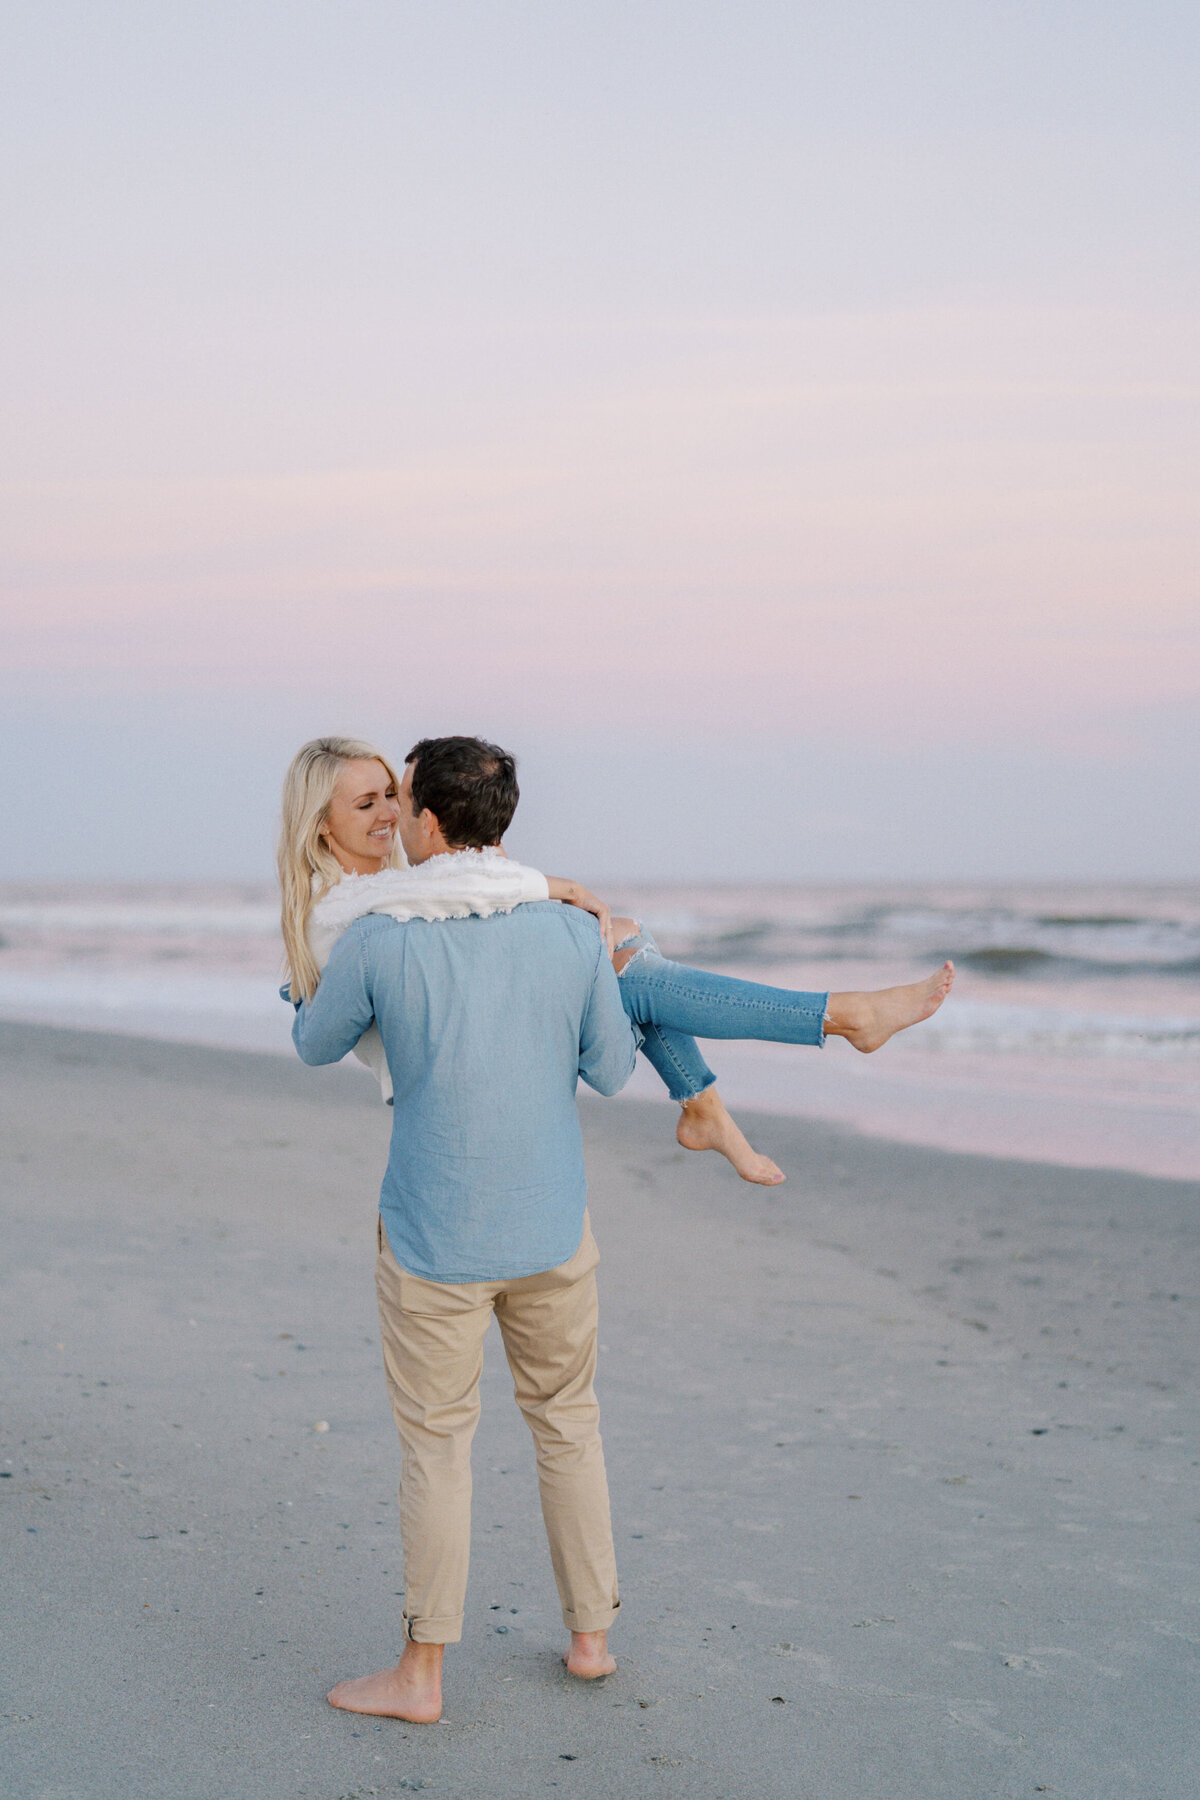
x=1085, y=1113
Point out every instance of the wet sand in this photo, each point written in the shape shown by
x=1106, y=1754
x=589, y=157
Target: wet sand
x=903, y=1456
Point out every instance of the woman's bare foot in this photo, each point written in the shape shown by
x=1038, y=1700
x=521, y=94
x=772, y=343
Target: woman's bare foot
x=704, y=1124
x=868, y=1020
x=412, y=1690
x=589, y=1656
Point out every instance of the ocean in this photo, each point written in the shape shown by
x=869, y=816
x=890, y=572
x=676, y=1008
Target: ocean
x=1072, y=1034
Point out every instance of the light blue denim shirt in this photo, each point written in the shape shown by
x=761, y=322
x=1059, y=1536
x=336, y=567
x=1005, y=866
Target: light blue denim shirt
x=487, y=1024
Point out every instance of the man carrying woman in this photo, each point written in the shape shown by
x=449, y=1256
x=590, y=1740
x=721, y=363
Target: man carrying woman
x=487, y=1002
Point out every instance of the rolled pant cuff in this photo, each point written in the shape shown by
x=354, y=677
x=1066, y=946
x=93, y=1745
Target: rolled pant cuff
x=435, y=1631
x=599, y=1618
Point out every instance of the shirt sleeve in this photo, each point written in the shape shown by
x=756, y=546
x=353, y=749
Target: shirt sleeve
x=328, y=1026
x=608, y=1040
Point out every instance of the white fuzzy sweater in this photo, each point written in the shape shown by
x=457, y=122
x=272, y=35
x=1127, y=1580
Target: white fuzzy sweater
x=456, y=886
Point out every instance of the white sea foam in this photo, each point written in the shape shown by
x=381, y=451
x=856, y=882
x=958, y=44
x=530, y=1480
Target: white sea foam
x=1053, y=982
x=1053, y=932
x=138, y=918
x=993, y=1025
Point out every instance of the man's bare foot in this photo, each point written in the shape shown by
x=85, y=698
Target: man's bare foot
x=589, y=1656
x=868, y=1020
x=412, y=1690
x=704, y=1124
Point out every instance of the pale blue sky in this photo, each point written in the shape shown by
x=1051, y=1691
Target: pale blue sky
x=778, y=422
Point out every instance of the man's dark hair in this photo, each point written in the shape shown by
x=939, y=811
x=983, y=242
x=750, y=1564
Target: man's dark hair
x=468, y=785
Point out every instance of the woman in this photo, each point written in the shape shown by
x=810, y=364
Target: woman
x=339, y=858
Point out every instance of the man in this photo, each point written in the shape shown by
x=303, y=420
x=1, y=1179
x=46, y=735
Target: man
x=487, y=1025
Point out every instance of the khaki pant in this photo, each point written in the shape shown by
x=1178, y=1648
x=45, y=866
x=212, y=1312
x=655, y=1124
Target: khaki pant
x=433, y=1355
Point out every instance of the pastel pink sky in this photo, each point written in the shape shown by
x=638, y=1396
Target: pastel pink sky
x=686, y=445
x=924, y=525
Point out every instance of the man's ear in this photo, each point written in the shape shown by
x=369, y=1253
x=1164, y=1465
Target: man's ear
x=427, y=821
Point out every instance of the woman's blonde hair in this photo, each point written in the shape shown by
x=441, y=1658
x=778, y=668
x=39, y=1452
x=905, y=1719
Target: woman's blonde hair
x=307, y=866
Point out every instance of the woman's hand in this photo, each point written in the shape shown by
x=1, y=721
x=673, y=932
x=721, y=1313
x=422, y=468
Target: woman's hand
x=573, y=893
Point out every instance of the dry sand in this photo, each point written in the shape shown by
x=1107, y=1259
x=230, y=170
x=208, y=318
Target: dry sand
x=903, y=1457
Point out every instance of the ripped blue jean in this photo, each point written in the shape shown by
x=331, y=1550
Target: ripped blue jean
x=673, y=1004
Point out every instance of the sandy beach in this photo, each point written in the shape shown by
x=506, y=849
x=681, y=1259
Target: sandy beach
x=903, y=1459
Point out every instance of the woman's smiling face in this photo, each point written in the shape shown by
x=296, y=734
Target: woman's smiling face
x=360, y=827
